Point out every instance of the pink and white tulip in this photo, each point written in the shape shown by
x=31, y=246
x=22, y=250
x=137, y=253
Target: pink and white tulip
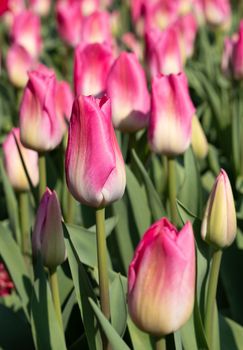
x=217, y=13
x=127, y=89
x=41, y=7
x=171, y=115
x=161, y=279
x=95, y=170
x=96, y=28
x=14, y=166
x=40, y=128
x=91, y=67
x=219, y=225
x=64, y=102
x=26, y=31
x=47, y=238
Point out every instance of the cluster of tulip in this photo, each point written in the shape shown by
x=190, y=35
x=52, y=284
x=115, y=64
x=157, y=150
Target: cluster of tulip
x=128, y=137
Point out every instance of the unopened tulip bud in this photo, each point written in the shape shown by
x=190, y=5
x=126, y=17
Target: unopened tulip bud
x=219, y=222
x=171, y=115
x=127, y=89
x=47, y=238
x=217, y=13
x=199, y=140
x=237, y=54
x=94, y=165
x=161, y=279
x=14, y=166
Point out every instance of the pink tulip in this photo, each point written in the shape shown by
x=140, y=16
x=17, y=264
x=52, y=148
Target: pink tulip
x=171, y=115
x=161, y=278
x=91, y=67
x=26, y=31
x=237, y=54
x=69, y=21
x=47, y=238
x=163, y=51
x=219, y=224
x=96, y=28
x=18, y=63
x=6, y=285
x=64, y=102
x=226, y=61
x=161, y=14
x=95, y=169
x=40, y=127
x=217, y=13
x=41, y=7
x=4, y=6
x=14, y=166
x=133, y=44
x=89, y=6
x=127, y=89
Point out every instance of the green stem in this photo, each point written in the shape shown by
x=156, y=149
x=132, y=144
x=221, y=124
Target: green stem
x=42, y=171
x=211, y=295
x=102, y=267
x=55, y=295
x=24, y=222
x=172, y=188
x=160, y=344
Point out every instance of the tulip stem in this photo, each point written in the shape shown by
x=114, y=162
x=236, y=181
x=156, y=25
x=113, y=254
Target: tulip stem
x=102, y=267
x=172, y=188
x=55, y=295
x=24, y=222
x=211, y=295
x=42, y=171
x=160, y=344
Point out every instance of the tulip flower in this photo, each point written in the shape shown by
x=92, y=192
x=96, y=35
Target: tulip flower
x=171, y=115
x=26, y=31
x=14, y=166
x=47, y=238
x=219, y=222
x=91, y=67
x=96, y=28
x=41, y=7
x=226, y=61
x=89, y=6
x=4, y=6
x=163, y=51
x=18, y=62
x=64, y=102
x=237, y=54
x=6, y=285
x=127, y=89
x=161, y=279
x=199, y=141
x=40, y=128
x=217, y=13
x=95, y=171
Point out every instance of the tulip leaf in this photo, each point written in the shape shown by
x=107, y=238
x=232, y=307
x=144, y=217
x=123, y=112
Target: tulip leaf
x=72, y=300
x=140, y=340
x=139, y=202
x=116, y=342
x=12, y=205
x=13, y=259
x=231, y=334
x=157, y=208
x=118, y=305
x=46, y=330
x=83, y=291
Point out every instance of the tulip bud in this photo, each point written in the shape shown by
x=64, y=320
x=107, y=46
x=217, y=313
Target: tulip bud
x=64, y=102
x=171, y=115
x=14, y=166
x=199, y=141
x=94, y=165
x=26, y=31
x=237, y=54
x=226, y=61
x=219, y=222
x=47, y=238
x=217, y=13
x=127, y=89
x=6, y=285
x=40, y=128
x=161, y=279
x=91, y=67
x=41, y=7
x=96, y=28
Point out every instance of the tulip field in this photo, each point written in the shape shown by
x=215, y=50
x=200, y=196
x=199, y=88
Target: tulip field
x=121, y=175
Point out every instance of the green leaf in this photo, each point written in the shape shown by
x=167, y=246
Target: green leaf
x=116, y=342
x=118, y=305
x=72, y=300
x=140, y=340
x=139, y=202
x=156, y=206
x=231, y=334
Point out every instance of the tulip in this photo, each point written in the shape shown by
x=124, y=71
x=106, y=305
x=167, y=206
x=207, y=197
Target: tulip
x=4, y=7
x=219, y=221
x=40, y=128
x=161, y=279
x=127, y=89
x=226, y=61
x=163, y=51
x=96, y=28
x=217, y=13
x=18, y=62
x=41, y=7
x=199, y=141
x=91, y=67
x=133, y=44
x=160, y=14
x=14, y=166
x=6, y=285
x=64, y=102
x=89, y=6
x=95, y=171
x=47, y=238
x=26, y=31
x=171, y=115
x=237, y=54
